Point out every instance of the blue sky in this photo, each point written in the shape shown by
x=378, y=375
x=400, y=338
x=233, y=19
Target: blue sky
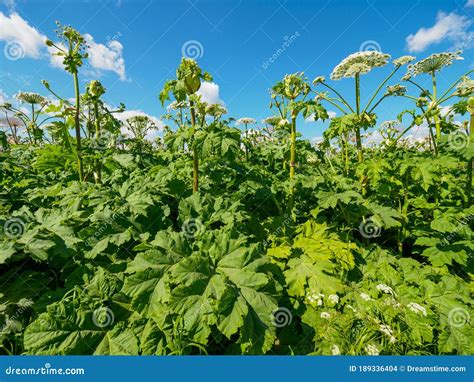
x=138, y=44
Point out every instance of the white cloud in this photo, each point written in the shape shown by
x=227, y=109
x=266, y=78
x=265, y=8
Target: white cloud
x=26, y=41
x=450, y=27
x=132, y=113
x=209, y=92
x=470, y=3
x=15, y=30
x=106, y=57
x=331, y=115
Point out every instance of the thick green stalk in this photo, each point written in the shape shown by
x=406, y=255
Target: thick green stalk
x=78, y=129
x=293, y=148
x=292, y=160
x=360, y=155
x=98, y=170
x=470, y=162
x=436, y=118
x=346, y=149
x=195, y=153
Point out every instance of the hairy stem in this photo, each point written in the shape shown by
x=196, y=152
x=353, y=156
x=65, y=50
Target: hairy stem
x=77, y=124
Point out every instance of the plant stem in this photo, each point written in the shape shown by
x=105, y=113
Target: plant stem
x=380, y=87
x=436, y=118
x=339, y=94
x=470, y=162
x=97, y=174
x=292, y=159
x=78, y=128
x=195, y=153
x=360, y=155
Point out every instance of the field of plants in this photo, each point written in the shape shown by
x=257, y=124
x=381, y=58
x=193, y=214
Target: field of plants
x=235, y=236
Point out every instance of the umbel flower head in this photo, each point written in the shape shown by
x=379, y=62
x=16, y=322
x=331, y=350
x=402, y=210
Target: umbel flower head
x=319, y=80
x=292, y=86
x=465, y=87
x=434, y=63
x=396, y=90
x=215, y=110
x=245, y=121
x=176, y=105
x=31, y=98
x=359, y=63
x=403, y=60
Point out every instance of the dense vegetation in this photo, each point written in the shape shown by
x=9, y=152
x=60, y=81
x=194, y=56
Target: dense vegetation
x=221, y=238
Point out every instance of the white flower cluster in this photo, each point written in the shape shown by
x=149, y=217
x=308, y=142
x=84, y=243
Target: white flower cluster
x=365, y=297
x=315, y=298
x=215, y=110
x=245, y=121
x=465, y=87
x=384, y=288
x=434, y=63
x=372, y=350
x=359, y=63
x=318, y=80
x=417, y=308
x=175, y=105
x=335, y=350
x=325, y=315
x=387, y=330
x=396, y=90
x=31, y=98
x=392, y=302
x=403, y=60
x=333, y=298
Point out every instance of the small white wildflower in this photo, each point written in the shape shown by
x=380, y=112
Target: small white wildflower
x=465, y=87
x=319, y=80
x=372, y=350
x=325, y=315
x=335, y=350
x=392, y=339
x=384, y=288
x=245, y=121
x=333, y=298
x=417, y=308
x=365, y=297
x=387, y=330
x=392, y=302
